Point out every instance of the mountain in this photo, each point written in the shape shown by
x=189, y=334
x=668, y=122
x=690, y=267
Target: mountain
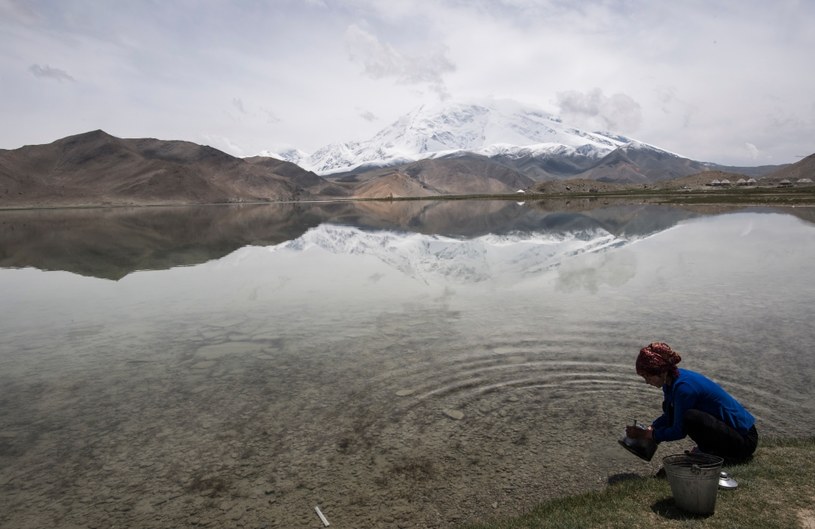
x=512, y=136
x=498, y=129
x=96, y=168
x=800, y=170
x=464, y=174
x=455, y=149
x=640, y=163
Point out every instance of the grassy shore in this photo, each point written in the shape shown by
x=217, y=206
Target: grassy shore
x=776, y=490
x=769, y=196
x=745, y=196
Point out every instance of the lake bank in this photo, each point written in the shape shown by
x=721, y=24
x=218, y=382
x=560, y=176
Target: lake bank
x=557, y=191
x=774, y=492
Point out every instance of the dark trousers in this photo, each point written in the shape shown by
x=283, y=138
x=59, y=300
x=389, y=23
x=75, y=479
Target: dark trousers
x=713, y=436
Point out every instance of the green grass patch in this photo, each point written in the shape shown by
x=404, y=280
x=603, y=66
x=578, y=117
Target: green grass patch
x=776, y=491
x=748, y=196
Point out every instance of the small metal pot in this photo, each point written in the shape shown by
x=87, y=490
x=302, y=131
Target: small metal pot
x=726, y=482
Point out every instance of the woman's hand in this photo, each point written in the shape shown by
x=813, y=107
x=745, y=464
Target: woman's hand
x=635, y=432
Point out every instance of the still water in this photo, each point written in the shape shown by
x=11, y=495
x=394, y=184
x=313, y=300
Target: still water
x=397, y=364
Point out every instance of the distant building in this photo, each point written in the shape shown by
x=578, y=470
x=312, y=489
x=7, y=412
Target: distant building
x=784, y=183
x=720, y=183
x=751, y=181
x=741, y=182
x=804, y=181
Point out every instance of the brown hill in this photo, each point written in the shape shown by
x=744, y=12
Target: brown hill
x=96, y=168
x=393, y=183
x=460, y=175
x=641, y=165
x=632, y=165
x=314, y=184
x=802, y=169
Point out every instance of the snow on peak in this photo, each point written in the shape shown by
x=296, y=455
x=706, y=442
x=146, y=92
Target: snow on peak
x=295, y=156
x=633, y=145
x=429, y=258
x=489, y=127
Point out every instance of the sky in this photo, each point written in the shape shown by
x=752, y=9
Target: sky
x=729, y=82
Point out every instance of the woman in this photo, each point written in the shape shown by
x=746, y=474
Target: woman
x=694, y=406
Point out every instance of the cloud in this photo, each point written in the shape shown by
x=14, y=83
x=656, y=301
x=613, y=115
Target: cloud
x=46, y=72
x=685, y=95
x=753, y=150
x=367, y=115
x=271, y=117
x=381, y=60
x=224, y=144
x=593, y=109
x=18, y=11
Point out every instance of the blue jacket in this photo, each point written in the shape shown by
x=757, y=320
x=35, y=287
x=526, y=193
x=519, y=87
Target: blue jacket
x=692, y=391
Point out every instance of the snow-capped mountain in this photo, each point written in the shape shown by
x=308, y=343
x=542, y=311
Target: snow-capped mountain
x=430, y=258
x=493, y=128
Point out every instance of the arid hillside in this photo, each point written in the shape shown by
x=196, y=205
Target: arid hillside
x=456, y=175
x=96, y=168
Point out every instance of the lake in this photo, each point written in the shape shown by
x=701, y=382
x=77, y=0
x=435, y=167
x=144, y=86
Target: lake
x=404, y=364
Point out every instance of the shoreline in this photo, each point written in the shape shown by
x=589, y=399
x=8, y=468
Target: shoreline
x=754, y=196
x=780, y=464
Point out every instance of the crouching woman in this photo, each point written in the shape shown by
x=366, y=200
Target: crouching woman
x=695, y=406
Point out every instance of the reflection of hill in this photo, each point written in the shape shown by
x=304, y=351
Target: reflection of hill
x=457, y=218
x=111, y=243
x=637, y=220
x=472, y=218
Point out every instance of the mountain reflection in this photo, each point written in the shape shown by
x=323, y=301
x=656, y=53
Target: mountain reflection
x=111, y=243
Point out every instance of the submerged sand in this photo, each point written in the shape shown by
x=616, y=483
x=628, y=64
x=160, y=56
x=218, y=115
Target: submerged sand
x=238, y=433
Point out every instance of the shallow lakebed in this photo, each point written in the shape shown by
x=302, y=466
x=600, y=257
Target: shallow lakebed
x=399, y=365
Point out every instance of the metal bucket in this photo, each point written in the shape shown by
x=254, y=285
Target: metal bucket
x=694, y=480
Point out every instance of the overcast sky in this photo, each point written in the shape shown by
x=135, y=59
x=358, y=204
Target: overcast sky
x=723, y=81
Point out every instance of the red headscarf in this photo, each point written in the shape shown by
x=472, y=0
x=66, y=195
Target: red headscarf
x=657, y=358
